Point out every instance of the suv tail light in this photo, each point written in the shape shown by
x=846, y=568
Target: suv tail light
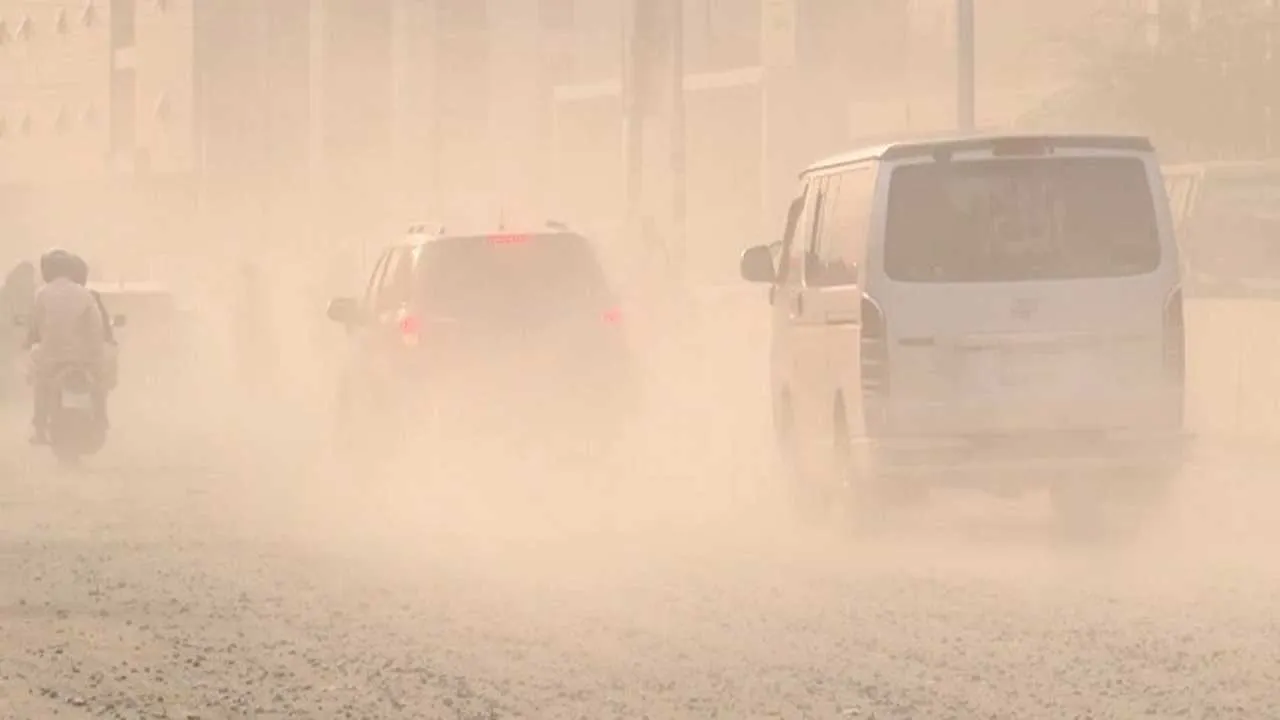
x=875, y=350
x=509, y=239
x=410, y=330
x=1175, y=338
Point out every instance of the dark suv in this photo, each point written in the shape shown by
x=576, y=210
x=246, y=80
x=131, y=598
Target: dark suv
x=518, y=332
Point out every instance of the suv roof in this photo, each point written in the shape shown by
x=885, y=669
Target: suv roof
x=944, y=145
x=421, y=232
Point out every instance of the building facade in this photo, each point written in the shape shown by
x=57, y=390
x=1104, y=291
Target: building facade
x=292, y=122
x=94, y=97
x=766, y=88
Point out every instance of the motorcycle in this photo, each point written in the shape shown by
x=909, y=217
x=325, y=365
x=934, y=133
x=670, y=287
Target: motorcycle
x=77, y=416
x=77, y=407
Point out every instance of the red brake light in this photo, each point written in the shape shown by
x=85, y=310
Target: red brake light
x=509, y=239
x=409, y=329
x=613, y=316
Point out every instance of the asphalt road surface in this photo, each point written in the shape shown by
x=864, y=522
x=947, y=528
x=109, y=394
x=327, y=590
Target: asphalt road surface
x=241, y=579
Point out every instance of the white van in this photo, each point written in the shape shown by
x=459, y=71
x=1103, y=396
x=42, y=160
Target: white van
x=994, y=312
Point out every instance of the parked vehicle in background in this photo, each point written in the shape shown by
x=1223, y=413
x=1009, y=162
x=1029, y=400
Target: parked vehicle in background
x=995, y=312
x=156, y=331
x=1227, y=215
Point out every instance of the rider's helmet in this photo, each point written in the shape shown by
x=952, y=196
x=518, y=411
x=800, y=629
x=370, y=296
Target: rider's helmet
x=56, y=264
x=78, y=270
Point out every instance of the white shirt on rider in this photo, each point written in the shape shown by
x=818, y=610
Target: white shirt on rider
x=67, y=322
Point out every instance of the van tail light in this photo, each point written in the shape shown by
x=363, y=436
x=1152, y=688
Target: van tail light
x=410, y=330
x=612, y=316
x=875, y=350
x=1175, y=338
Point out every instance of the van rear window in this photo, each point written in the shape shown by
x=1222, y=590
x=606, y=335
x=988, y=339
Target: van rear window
x=1011, y=220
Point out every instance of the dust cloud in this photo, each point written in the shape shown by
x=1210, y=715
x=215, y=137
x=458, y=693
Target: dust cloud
x=227, y=555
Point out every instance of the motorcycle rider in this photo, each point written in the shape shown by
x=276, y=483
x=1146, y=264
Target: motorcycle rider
x=65, y=328
x=80, y=275
x=110, y=373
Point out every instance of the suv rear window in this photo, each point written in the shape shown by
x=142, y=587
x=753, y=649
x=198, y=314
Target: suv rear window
x=1010, y=220
x=516, y=279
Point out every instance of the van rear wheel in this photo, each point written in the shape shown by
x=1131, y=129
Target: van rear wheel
x=804, y=490
x=861, y=495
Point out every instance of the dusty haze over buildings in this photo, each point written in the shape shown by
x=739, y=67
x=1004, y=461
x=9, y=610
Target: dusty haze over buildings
x=249, y=159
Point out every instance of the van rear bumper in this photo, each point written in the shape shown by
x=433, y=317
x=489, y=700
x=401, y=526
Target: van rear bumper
x=1027, y=458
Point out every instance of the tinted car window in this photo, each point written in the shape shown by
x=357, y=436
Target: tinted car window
x=512, y=280
x=397, y=281
x=1008, y=220
x=843, y=235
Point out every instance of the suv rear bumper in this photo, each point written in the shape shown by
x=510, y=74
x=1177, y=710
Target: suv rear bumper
x=482, y=404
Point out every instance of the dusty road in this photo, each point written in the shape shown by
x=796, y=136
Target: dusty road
x=205, y=584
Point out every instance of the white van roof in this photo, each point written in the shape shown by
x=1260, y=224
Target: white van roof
x=909, y=148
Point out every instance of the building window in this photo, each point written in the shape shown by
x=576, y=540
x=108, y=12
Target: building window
x=733, y=30
x=123, y=23
x=89, y=15
x=24, y=30
x=61, y=22
x=124, y=109
x=462, y=14
x=597, y=37
x=557, y=15
x=4, y=33
x=163, y=111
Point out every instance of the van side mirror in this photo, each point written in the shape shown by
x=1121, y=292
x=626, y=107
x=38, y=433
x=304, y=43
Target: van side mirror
x=119, y=321
x=20, y=321
x=756, y=265
x=346, y=311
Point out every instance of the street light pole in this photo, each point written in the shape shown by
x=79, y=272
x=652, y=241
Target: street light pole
x=1273, y=17
x=633, y=114
x=679, y=162
x=965, y=90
